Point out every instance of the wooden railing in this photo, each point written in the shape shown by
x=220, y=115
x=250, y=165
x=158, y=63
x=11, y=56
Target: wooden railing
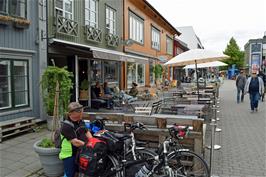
x=157, y=127
x=93, y=34
x=112, y=40
x=66, y=26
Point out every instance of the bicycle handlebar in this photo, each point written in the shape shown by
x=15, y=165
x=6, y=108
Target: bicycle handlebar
x=135, y=125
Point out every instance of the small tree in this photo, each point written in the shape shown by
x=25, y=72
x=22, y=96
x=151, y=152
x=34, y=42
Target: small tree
x=50, y=77
x=158, y=71
x=235, y=54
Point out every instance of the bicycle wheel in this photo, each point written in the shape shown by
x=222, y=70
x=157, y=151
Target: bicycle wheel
x=110, y=170
x=141, y=154
x=187, y=163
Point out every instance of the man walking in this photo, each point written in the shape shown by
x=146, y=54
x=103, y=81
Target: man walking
x=240, y=85
x=255, y=88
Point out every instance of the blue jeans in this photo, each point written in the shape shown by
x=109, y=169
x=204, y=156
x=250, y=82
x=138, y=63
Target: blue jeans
x=254, y=100
x=238, y=94
x=70, y=167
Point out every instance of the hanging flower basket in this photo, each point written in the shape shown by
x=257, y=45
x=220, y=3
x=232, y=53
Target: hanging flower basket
x=5, y=20
x=21, y=23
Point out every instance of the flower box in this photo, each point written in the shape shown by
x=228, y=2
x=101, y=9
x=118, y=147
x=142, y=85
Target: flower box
x=21, y=23
x=5, y=20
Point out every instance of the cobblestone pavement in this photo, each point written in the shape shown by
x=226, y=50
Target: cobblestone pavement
x=17, y=157
x=243, y=136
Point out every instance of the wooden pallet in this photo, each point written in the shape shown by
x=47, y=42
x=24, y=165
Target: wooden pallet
x=15, y=126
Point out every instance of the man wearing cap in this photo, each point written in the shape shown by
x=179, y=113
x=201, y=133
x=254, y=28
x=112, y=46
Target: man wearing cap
x=74, y=135
x=255, y=87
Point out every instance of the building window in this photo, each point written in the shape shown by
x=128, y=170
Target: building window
x=255, y=47
x=96, y=70
x=13, y=7
x=169, y=45
x=110, y=20
x=136, y=28
x=111, y=71
x=151, y=67
x=64, y=8
x=155, y=38
x=14, y=84
x=91, y=13
x=135, y=73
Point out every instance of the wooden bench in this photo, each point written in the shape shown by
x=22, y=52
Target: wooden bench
x=15, y=126
x=157, y=127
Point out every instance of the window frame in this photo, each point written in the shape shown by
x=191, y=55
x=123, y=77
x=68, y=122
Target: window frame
x=12, y=85
x=64, y=11
x=140, y=33
x=155, y=30
x=167, y=39
x=87, y=20
x=136, y=74
x=109, y=19
x=8, y=10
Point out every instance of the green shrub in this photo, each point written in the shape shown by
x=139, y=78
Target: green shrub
x=46, y=143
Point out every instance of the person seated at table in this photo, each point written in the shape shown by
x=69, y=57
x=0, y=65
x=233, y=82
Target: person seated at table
x=134, y=90
x=107, y=89
x=100, y=94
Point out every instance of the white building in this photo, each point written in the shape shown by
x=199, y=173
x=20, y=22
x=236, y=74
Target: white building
x=189, y=36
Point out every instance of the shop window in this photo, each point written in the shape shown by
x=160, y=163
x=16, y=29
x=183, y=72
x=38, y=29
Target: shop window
x=14, y=84
x=111, y=71
x=135, y=73
x=151, y=66
x=96, y=70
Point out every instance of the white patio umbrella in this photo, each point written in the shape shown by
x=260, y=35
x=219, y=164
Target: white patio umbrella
x=196, y=56
x=206, y=65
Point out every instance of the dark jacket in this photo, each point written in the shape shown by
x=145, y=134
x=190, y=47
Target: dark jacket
x=240, y=82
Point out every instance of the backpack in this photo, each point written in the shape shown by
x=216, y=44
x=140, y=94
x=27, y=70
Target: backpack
x=57, y=134
x=92, y=157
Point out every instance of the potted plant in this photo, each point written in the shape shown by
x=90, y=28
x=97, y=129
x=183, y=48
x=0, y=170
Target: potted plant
x=56, y=84
x=158, y=71
x=5, y=20
x=83, y=92
x=21, y=23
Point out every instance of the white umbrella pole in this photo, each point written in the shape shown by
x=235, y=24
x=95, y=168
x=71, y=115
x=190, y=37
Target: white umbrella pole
x=197, y=78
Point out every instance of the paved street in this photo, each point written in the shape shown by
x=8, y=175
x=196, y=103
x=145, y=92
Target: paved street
x=243, y=140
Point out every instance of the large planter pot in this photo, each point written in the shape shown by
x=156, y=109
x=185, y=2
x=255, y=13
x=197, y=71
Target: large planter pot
x=52, y=165
x=83, y=94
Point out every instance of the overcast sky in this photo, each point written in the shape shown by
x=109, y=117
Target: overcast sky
x=216, y=21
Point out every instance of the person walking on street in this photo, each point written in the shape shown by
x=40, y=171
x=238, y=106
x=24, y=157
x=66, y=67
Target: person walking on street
x=263, y=77
x=255, y=87
x=240, y=85
x=75, y=135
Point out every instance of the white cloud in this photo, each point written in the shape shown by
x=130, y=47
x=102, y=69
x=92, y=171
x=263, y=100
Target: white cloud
x=216, y=21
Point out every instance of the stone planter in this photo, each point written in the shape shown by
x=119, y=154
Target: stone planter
x=52, y=165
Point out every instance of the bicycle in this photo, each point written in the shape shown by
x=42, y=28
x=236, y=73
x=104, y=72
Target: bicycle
x=177, y=162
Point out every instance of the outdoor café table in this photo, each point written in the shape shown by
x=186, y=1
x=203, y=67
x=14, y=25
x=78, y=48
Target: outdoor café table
x=189, y=107
x=204, y=100
x=140, y=104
